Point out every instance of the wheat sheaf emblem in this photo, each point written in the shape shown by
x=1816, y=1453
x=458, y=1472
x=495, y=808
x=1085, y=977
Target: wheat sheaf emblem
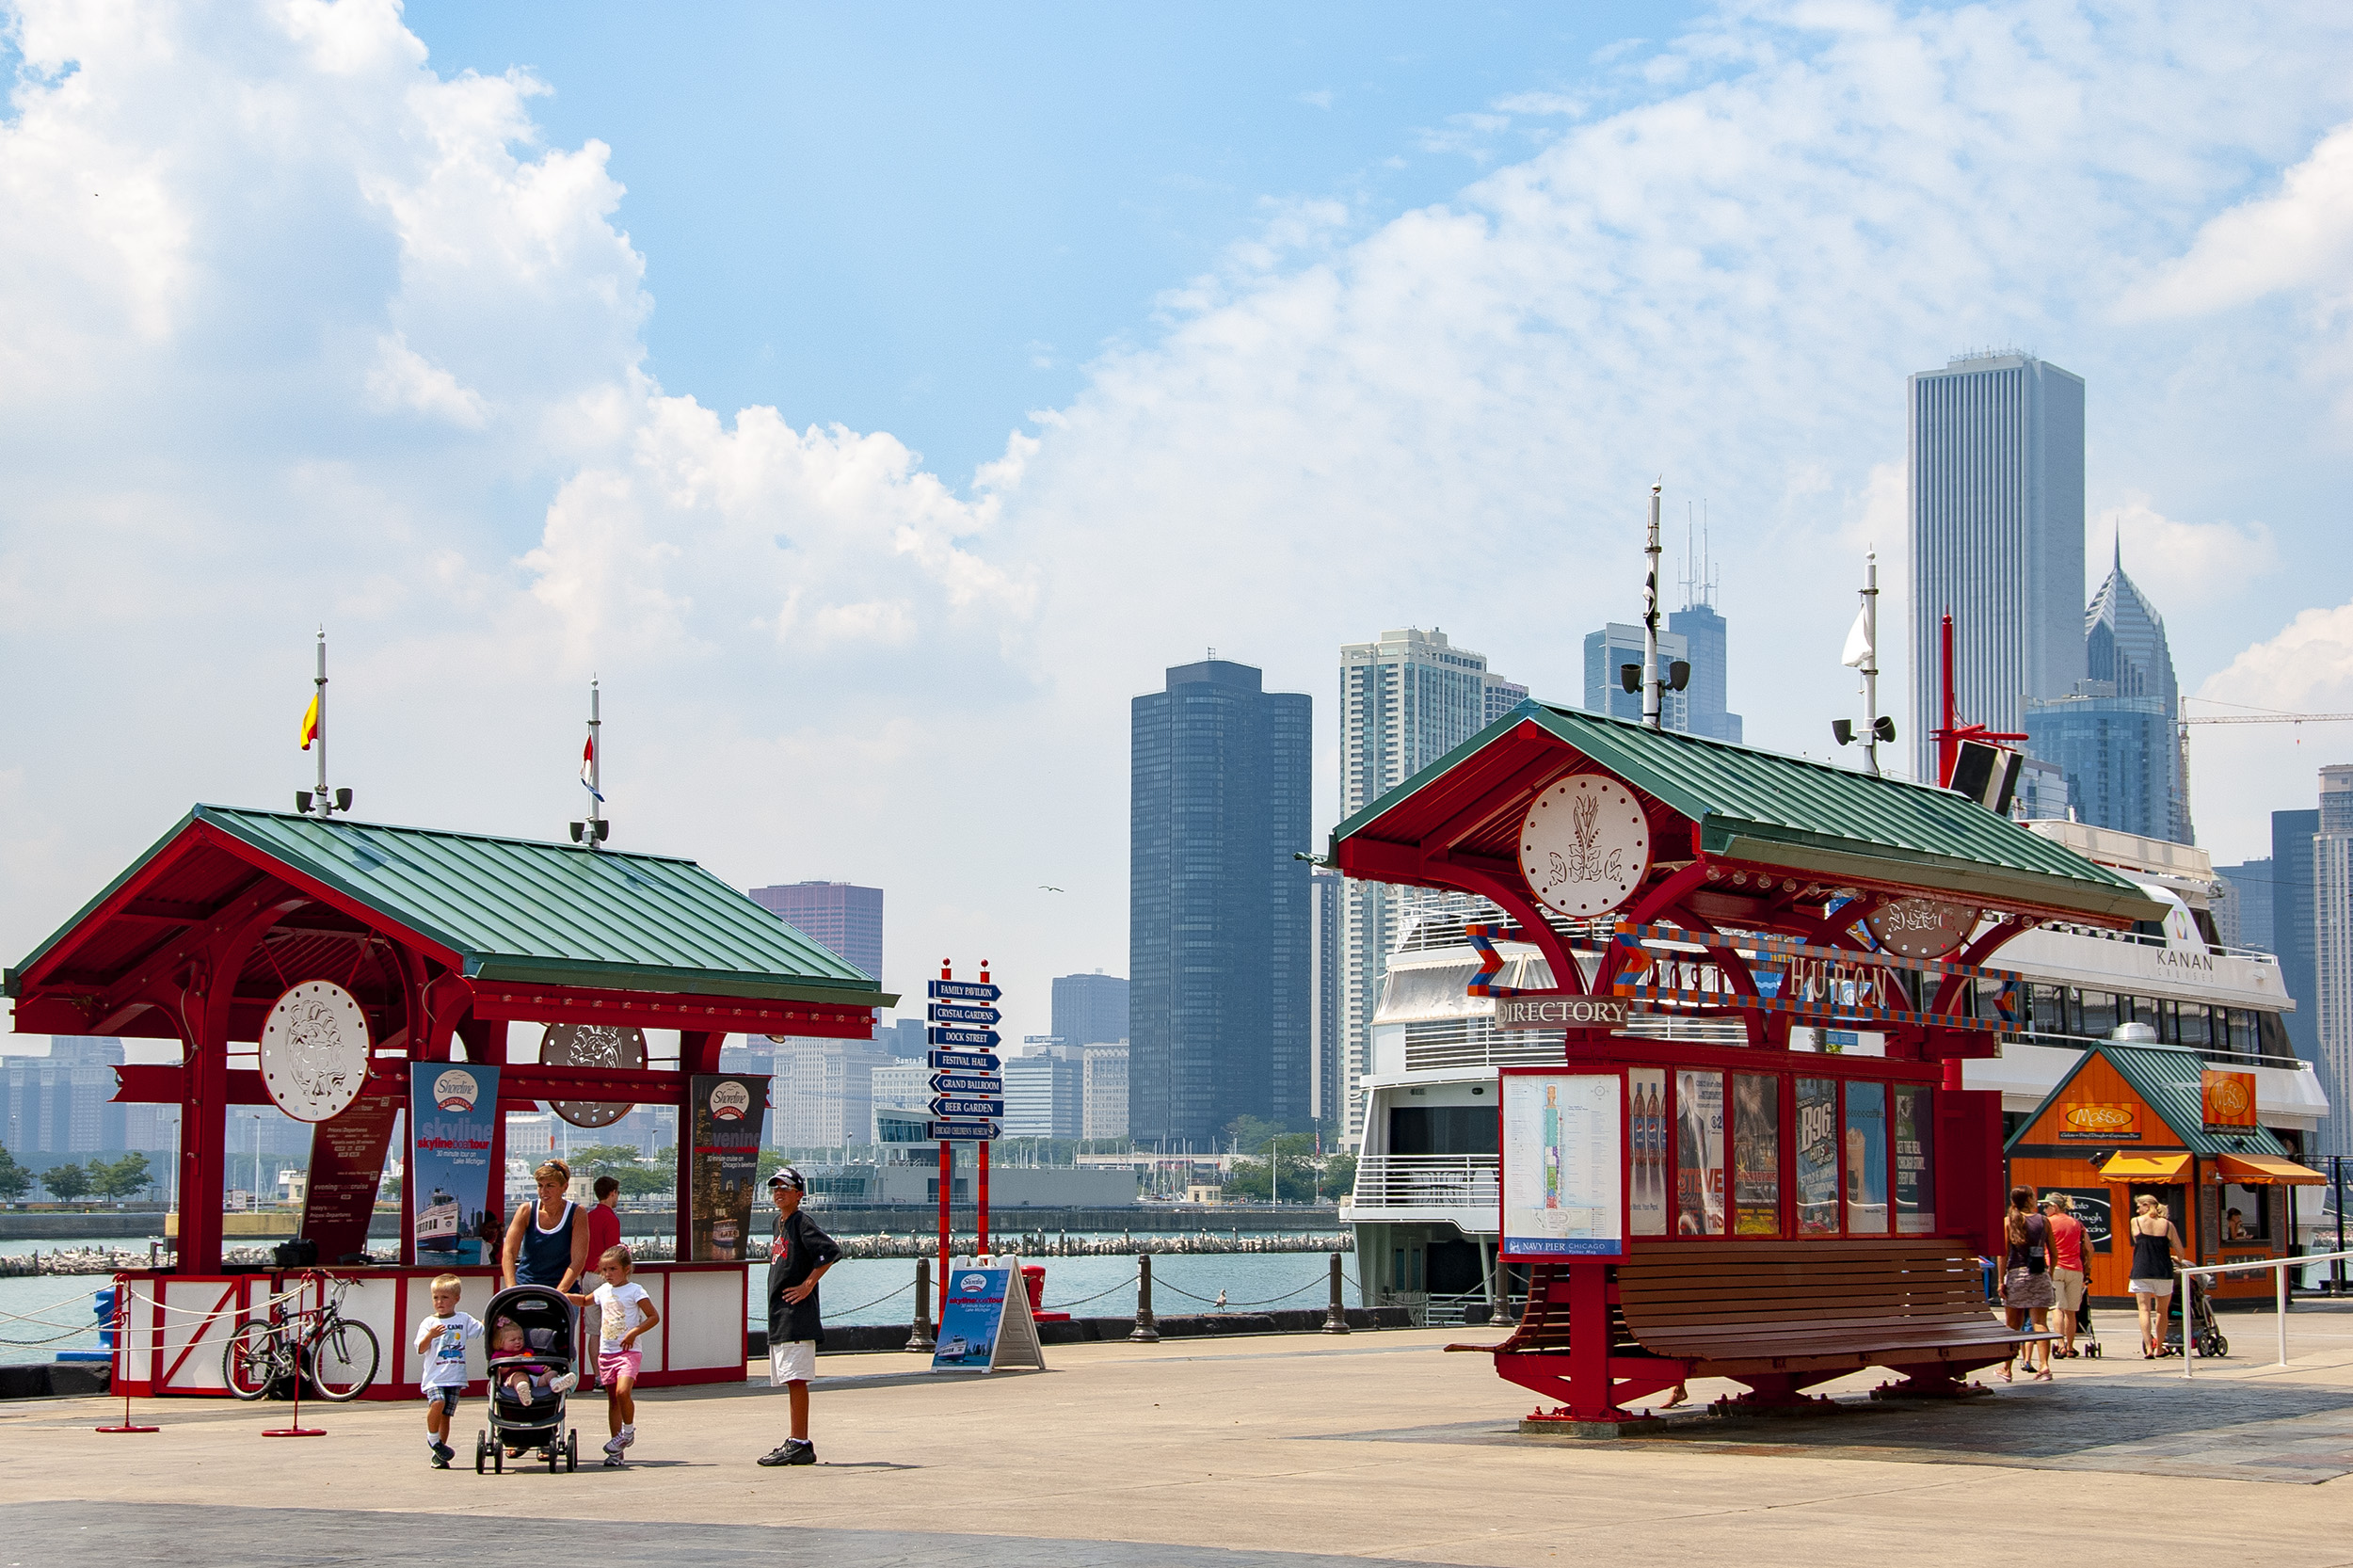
x=1584, y=860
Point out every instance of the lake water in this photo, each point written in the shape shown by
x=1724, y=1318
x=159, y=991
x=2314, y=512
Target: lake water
x=857, y=1291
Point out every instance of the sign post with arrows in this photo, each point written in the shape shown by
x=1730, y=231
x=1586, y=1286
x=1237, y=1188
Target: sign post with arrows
x=968, y=1091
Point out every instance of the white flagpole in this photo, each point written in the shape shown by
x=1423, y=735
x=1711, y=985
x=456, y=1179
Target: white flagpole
x=321, y=803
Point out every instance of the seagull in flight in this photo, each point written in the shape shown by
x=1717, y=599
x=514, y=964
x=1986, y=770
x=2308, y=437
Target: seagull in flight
x=1048, y=887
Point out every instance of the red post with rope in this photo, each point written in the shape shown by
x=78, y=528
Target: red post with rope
x=122, y=1345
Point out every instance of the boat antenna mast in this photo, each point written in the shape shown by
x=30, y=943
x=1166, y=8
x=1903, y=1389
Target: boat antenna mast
x=1863, y=653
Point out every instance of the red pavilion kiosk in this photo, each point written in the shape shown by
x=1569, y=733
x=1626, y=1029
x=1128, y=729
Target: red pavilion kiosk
x=1755, y=1159
x=443, y=940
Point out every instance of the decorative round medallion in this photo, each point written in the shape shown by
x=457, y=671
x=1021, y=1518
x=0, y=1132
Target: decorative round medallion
x=592, y=1046
x=315, y=1050
x=1585, y=846
x=1921, y=927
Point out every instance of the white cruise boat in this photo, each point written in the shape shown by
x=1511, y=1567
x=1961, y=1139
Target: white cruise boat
x=1425, y=1206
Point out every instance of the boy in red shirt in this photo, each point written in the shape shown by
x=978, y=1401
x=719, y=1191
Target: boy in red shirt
x=2066, y=1266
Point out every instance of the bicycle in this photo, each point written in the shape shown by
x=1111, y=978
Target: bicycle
x=338, y=1354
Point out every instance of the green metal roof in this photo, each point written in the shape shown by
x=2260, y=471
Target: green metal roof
x=519, y=909
x=1824, y=820
x=2167, y=1080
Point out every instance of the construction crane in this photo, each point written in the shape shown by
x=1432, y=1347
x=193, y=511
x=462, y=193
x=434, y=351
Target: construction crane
x=2180, y=728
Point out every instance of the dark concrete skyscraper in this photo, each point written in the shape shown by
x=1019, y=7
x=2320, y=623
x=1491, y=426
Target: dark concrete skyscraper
x=1220, y=1005
x=1996, y=461
x=1090, y=1009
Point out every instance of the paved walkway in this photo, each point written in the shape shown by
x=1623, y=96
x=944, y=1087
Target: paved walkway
x=1281, y=1453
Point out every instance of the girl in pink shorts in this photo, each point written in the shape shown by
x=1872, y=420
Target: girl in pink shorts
x=626, y=1312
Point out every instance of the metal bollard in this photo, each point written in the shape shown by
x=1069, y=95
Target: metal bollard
x=1146, y=1329
x=1336, y=1316
x=921, y=1339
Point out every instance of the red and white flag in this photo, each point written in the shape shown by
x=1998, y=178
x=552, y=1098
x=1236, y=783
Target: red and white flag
x=588, y=767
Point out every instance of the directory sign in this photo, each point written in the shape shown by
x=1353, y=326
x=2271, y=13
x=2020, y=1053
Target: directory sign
x=963, y=990
x=1564, y=1188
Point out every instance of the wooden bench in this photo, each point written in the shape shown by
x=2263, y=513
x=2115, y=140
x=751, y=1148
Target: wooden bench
x=1777, y=1315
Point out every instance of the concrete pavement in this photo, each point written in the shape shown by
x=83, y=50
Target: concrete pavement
x=1280, y=1452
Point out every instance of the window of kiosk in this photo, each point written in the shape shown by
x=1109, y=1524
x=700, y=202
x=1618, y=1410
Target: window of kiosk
x=1916, y=1159
x=1816, y=1162
x=1755, y=1155
x=1866, y=1160
x=2245, y=1216
x=1699, y=1154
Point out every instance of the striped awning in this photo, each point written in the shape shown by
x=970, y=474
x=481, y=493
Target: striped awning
x=2253, y=1170
x=2145, y=1167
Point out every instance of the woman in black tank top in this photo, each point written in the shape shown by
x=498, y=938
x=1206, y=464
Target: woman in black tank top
x=2154, y=1240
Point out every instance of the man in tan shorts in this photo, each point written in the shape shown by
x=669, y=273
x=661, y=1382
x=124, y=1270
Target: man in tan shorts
x=2066, y=1266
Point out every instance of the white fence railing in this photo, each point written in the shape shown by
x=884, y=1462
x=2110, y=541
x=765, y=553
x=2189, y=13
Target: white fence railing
x=1427, y=1181
x=2279, y=1266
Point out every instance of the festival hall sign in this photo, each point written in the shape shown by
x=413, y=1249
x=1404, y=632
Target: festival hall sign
x=452, y=1117
x=731, y=1109
x=1563, y=1186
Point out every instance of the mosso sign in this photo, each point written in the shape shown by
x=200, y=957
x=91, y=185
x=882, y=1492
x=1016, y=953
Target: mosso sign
x=1559, y=1010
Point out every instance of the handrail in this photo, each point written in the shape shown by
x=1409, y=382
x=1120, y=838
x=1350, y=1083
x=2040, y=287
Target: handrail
x=2280, y=1267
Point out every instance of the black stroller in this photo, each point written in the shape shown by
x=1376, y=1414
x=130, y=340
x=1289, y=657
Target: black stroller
x=528, y=1379
x=2205, y=1333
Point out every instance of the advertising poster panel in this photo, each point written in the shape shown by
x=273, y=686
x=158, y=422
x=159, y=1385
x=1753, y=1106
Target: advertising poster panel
x=347, y=1153
x=1564, y=1165
x=453, y=1112
x=1817, y=1156
x=1755, y=1155
x=969, y=1323
x=1646, y=1122
x=730, y=1114
x=1699, y=1154
x=1915, y=1160
x=1866, y=1158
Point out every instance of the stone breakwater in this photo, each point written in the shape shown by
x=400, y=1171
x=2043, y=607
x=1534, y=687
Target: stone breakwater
x=75, y=1260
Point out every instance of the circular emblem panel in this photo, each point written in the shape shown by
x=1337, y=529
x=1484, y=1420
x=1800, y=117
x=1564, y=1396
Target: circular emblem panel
x=1921, y=927
x=1585, y=845
x=315, y=1050
x=592, y=1046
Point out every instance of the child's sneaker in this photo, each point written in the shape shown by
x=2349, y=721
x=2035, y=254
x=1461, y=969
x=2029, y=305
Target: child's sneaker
x=442, y=1454
x=614, y=1462
x=628, y=1435
x=614, y=1445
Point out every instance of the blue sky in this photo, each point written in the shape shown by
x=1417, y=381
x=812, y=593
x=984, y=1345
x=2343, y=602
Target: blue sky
x=877, y=400
x=929, y=218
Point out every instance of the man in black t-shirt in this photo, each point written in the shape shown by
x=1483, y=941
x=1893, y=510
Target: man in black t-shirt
x=798, y=1255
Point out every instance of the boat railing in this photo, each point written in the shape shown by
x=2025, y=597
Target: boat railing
x=2142, y=938
x=1427, y=1181
x=1428, y=1309
x=2220, y=1056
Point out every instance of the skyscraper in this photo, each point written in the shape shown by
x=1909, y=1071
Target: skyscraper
x=1405, y=701
x=1996, y=496
x=1708, y=636
x=2333, y=954
x=845, y=919
x=2292, y=835
x=1090, y=1009
x=1219, y=1015
x=1617, y=644
x=2114, y=736
x=2242, y=905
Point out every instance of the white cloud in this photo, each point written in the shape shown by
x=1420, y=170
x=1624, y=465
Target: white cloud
x=2183, y=567
x=403, y=378
x=2299, y=236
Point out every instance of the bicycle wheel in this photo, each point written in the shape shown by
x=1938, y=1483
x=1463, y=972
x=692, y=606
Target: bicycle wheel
x=342, y=1357
x=251, y=1361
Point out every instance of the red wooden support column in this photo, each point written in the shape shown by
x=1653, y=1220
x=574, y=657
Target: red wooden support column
x=203, y=1128
x=1589, y=1342
x=697, y=1052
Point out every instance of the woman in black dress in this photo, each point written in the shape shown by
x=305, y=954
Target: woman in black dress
x=2154, y=1242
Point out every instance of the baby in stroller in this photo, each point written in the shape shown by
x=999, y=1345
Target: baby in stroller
x=533, y=1366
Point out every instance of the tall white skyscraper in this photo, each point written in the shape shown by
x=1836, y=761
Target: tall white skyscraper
x=1997, y=466
x=1405, y=701
x=2332, y=952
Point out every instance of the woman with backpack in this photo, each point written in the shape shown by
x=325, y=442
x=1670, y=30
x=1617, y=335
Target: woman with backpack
x=2028, y=1290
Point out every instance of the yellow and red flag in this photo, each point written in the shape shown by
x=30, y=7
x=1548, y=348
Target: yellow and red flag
x=310, y=723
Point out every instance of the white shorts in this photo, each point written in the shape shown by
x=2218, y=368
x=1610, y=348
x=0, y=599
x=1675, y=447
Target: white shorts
x=793, y=1361
x=2150, y=1287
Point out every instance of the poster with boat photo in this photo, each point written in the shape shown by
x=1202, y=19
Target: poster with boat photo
x=1564, y=1165
x=452, y=1110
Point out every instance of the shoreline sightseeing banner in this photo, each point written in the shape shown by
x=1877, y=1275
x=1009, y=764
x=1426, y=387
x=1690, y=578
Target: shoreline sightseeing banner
x=452, y=1110
x=1564, y=1166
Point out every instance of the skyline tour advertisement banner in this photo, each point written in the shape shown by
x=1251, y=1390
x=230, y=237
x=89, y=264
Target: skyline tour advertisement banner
x=730, y=1114
x=1564, y=1165
x=452, y=1116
